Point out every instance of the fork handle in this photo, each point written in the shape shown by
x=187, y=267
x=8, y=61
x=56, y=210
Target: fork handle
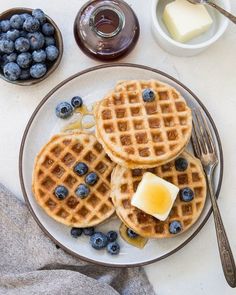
x=224, y=12
x=226, y=254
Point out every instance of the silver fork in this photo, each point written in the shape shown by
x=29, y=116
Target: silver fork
x=205, y=150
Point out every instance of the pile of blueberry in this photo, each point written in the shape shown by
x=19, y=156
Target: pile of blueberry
x=99, y=240
x=65, y=109
x=27, y=46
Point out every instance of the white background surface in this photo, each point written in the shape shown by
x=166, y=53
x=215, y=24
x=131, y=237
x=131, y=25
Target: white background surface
x=195, y=269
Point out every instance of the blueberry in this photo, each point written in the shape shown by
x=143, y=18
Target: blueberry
x=77, y=102
x=98, y=240
x=175, y=227
x=12, y=71
x=36, y=40
x=88, y=231
x=91, y=178
x=148, y=95
x=24, y=16
x=52, y=52
x=31, y=24
x=112, y=236
x=48, y=29
x=82, y=191
x=61, y=192
x=3, y=36
x=22, y=44
x=76, y=232
x=113, y=248
x=49, y=41
x=64, y=110
x=181, y=164
x=16, y=21
x=39, y=15
x=23, y=34
x=131, y=233
x=38, y=70
x=25, y=74
x=81, y=168
x=39, y=55
x=6, y=58
x=13, y=34
x=6, y=46
x=24, y=60
x=5, y=25
x=186, y=194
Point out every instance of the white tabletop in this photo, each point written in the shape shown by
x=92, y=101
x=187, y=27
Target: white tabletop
x=195, y=269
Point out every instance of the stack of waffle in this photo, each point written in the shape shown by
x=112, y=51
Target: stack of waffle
x=132, y=136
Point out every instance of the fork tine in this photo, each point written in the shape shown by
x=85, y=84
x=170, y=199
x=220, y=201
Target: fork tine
x=199, y=132
x=196, y=138
x=208, y=134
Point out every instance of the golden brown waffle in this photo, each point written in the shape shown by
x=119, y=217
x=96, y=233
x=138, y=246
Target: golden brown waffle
x=124, y=184
x=54, y=166
x=138, y=134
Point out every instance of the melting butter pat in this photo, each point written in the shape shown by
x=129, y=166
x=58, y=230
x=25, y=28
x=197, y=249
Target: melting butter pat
x=155, y=196
x=185, y=20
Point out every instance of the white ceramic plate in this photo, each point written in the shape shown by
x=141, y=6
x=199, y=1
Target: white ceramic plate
x=92, y=85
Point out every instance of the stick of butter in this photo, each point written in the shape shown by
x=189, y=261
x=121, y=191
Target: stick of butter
x=186, y=21
x=155, y=196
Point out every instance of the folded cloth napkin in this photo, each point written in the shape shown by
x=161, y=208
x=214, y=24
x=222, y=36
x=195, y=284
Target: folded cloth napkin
x=31, y=264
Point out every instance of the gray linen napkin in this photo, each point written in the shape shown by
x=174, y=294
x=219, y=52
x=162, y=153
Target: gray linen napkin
x=30, y=263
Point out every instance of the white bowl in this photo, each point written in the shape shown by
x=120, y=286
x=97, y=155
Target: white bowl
x=196, y=45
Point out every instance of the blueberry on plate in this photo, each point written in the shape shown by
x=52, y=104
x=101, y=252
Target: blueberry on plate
x=186, y=194
x=131, y=233
x=13, y=34
x=49, y=41
x=148, y=95
x=38, y=70
x=36, y=40
x=6, y=46
x=12, y=71
x=24, y=60
x=22, y=44
x=181, y=164
x=39, y=55
x=175, y=227
x=39, y=15
x=31, y=24
x=82, y=191
x=77, y=102
x=113, y=248
x=9, y=57
x=16, y=21
x=88, y=231
x=91, y=178
x=5, y=25
x=52, y=52
x=76, y=232
x=112, y=236
x=61, y=192
x=64, y=110
x=98, y=240
x=25, y=74
x=81, y=168
x=48, y=29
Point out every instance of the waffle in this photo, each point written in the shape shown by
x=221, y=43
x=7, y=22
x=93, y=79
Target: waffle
x=138, y=134
x=54, y=166
x=124, y=184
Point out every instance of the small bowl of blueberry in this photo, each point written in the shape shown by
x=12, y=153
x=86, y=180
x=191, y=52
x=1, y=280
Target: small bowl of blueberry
x=31, y=46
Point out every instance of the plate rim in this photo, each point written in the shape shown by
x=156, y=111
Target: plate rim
x=22, y=146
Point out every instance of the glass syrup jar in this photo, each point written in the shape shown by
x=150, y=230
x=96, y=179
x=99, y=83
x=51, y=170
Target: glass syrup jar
x=106, y=29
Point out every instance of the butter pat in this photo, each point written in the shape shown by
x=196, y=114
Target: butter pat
x=186, y=21
x=155, y=196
